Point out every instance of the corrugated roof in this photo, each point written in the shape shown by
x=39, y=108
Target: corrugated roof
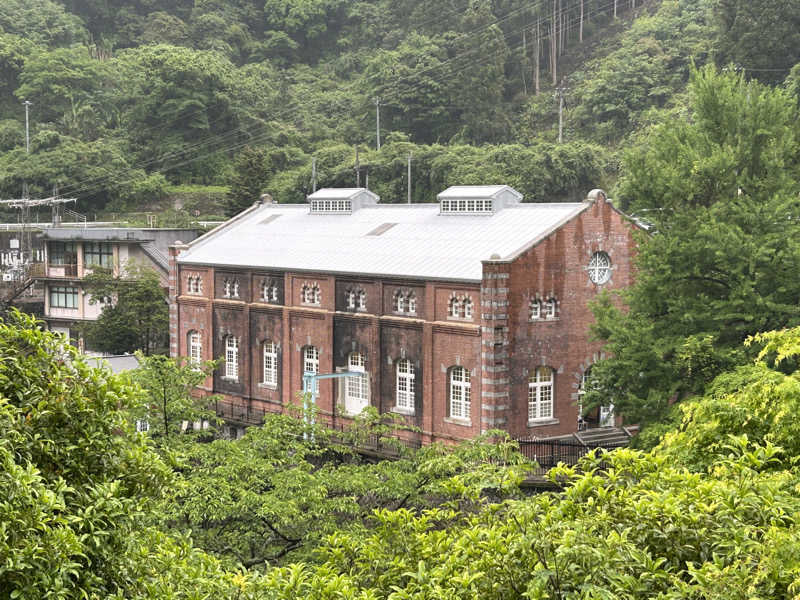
x=422, y=244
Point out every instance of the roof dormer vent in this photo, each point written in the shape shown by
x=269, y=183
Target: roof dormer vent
x=341, y=200
x=477, y=199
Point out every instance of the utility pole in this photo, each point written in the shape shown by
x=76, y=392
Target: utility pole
x=313, y=174
x=27, y=103
x=377, y=102
x=409, y=177
x=358, y=170
x=560, y=95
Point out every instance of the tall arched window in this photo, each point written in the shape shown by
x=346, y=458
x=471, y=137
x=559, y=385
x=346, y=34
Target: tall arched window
x=311, y=363
x=235, y=291
x=195, y=344
x=405, y=385
x=356, y=396
x=399, y=301
x=460, y=402
x=540, y=394
x=227, y=288
x=270, y=364
x=361, y=300
x=350, y=296
x=231, y=357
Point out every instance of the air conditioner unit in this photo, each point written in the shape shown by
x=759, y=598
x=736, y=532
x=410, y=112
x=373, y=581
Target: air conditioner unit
x=8, y=277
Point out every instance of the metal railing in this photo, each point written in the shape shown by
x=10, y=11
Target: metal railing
x=548, y=453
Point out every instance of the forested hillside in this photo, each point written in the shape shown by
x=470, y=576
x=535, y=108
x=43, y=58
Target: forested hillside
x=132, y=96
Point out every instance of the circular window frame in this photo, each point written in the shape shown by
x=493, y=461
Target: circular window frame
x=599, y=274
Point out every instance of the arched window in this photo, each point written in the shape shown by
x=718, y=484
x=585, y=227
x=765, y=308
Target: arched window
x=399, y=302
x=600, y=268
x=226, y=288
x=235, y=291
x=195, y=344
x=356, y=396
x=467, y=307
x=455, y=307
x=311, y=294
x=405, y=385
x=231, y=357
x=361, y=300
x=540, y=394
x=460, y=403
x=195, y=284
x=311, y=363
x=350, y=295
x=535, y=310
x=269, y=291
x=411, y=303
x=270, y=364
x=550, y=308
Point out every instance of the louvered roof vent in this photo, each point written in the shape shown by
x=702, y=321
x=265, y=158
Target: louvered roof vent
x=341, y=200
x=477, y=199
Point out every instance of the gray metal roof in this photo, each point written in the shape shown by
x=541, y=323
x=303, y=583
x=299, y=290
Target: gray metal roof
x=421, y=244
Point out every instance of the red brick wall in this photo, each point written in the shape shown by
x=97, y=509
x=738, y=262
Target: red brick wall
x=557, y=267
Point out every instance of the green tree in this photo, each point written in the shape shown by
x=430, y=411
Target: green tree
x=169, y=383
x=273, y=495
x=135, y=314
x=248, y=181
x=721, y=260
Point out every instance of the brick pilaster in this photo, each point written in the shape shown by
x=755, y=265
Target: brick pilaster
x=495, y=398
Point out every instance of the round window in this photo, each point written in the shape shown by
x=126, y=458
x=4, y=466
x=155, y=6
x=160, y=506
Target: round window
x=600, y=268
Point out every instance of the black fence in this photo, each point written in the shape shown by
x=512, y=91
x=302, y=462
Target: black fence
x=240, y=413
x=548, y=453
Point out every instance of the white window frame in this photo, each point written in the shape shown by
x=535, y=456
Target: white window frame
x=269, y=291
x=468, y=307
x=411, y=303
x=535, y=310
x=270, y=363
x=195, y=343
x=350, y=296
x=311, y=364
x=311, y=294
x=460, y=401
x=232, y=357
x=541, y=391
x=599, y=268
x=356, y=389
x=454, y=308
x=361, y=300
x=550, y=308
x=399, y=302
x=226, y=288
x=404, y=386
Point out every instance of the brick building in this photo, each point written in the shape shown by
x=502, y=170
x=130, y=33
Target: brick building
x=463, y=315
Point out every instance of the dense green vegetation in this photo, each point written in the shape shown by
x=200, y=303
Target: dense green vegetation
x=722, y=260
x=90, y=508
x=131, y=96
